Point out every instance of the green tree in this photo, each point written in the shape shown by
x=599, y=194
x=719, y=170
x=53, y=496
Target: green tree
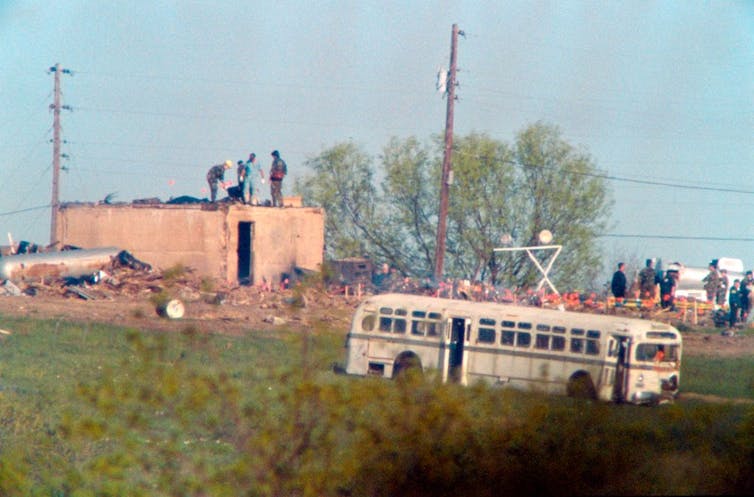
x=482, y=201
x=559, y=188
x=410, y=191
x=343, y=184
x=540, y=182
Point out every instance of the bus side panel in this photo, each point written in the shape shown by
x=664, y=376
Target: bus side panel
x=481, y=364
x=356, y=359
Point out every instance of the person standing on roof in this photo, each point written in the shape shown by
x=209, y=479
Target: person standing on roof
x=252, y=165
x=278, y=170
x=215, y=176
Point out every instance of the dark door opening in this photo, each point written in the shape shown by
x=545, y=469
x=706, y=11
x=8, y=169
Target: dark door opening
x=245, y=253
x=455, y=349
x=619, y=387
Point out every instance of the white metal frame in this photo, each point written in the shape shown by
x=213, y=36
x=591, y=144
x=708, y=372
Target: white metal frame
x=544, y=270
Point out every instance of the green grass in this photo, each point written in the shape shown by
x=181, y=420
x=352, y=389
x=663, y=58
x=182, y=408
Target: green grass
x=98, y=410
x=731, y=377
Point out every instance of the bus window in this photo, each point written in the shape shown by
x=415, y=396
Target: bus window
x=486, y=335
x=435, y=315
x=508, y=337
x=418, y=314
x=399, y=325
x=385, y=324
x=507, y=324
x=648, y=352
x=558, y=343
x=386, y=310
x=593, y=334
x=558, y=329
x=401, y=312
x=524, y=326
x=543, y=327
x=418, y=327
x=662, y=334
x=593, y=347
x=432, y=329
x=542, y=342
x=577, y=345
x=523, y=339
x=367, y=324
x=577, y=331
x=487, y=322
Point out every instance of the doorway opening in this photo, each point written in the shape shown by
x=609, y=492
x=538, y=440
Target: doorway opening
x=245, y=253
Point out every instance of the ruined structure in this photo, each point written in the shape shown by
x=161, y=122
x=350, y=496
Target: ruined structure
x=233, y=242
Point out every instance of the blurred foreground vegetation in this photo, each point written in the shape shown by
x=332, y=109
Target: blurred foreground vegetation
x=92, y=410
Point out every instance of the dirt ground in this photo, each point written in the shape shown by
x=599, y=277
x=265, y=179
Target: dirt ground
x=236, y=310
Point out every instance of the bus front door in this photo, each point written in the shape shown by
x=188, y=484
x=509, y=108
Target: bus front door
x=621, y=365
x=455, y=339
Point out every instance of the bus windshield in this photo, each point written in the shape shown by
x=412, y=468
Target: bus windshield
x=656, y=352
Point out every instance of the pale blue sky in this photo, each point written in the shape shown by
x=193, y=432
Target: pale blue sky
x=661, y=92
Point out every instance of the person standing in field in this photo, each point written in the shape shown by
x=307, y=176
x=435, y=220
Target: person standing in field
x=712, y=283
x=618, y=284
x=648, y=280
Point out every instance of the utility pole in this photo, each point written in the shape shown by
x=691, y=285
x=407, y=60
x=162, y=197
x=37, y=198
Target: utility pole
x=447, y=173
x=56, y=108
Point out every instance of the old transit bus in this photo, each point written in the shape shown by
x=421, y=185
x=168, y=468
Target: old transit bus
x=604, y=357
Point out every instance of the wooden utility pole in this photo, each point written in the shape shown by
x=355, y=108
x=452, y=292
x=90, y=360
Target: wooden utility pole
x=447, y=172
x=56, y=108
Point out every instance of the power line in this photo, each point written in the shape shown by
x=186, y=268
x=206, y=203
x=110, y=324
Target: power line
x=10, y=213
x=610, y=177
x=676, y=237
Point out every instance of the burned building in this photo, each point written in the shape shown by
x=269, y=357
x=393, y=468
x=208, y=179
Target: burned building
x=229, y=241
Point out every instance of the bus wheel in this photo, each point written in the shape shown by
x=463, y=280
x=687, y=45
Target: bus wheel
x=407, y=363
x=581, y=386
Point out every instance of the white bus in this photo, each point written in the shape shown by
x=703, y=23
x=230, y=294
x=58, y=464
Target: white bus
x=604, y=357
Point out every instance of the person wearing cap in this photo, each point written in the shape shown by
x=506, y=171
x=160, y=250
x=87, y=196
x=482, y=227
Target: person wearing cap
x=278, y=170
x=712, y=282
x=215, y=176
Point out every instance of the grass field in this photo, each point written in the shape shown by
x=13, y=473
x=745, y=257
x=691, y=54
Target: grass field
x=101, y=410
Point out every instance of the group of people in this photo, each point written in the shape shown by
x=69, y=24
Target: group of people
x=645, y=287
x=716, y=285
x=246, y=170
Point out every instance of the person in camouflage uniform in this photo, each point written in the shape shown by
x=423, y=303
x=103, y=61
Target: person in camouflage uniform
x=215, y=176
x=278, y=170
x=712, y=283
x=722, y=289
x=648, y=280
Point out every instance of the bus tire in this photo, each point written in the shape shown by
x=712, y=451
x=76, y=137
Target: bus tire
x=405, y=363
x=581, y=386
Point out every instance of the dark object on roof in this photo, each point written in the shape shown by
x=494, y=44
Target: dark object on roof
x=234, y=192
x=147, y=201
x=185, y=199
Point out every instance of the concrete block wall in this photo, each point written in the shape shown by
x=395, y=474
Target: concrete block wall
x=202, y=236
